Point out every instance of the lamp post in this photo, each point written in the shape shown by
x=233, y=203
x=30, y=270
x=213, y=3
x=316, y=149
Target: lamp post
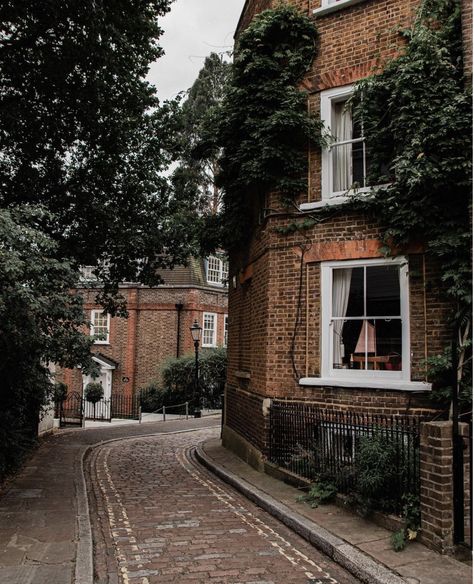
x=196, y=335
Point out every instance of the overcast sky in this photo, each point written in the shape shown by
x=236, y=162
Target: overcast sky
x=193, y=29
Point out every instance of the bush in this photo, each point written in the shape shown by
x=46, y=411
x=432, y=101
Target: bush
x=152, y=397
x=94, y=392
x=59, y=391
x=178, y=377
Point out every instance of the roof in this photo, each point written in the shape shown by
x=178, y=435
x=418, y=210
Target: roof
x=193, y=274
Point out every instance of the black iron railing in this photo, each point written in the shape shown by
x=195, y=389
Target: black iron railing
x=313, y=442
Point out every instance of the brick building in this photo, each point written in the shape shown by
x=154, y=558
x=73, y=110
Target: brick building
x=130, y=350
x=326, y=319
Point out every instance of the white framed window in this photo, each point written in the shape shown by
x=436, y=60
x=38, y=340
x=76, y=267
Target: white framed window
x=217, y=271
x=328, y=6
x=100, y=327
x=226, y=329
x=209, y=329
x=87, y=274
x=344, y=160
x=365, y=319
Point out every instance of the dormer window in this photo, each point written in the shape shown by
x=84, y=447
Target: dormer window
x=217, y=271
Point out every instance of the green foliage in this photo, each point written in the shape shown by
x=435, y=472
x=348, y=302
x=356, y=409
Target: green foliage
x=398, y=540
x=417, y=114
x=320, y=493
x=264, y=127
x=177, y=380
x=39, y=323
x=59, y=391
x=375, y=472
x=411, y=515
x=84, y=135
x=94, y=392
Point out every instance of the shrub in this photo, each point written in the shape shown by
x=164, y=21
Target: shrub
x=178, y=377
x=59, y=391
x=94, y=392
x=152, y=397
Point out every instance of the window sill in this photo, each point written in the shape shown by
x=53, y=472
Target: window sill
x=101, y=343
x=337, y=199
x=242, y=374
x=317, y=12
x=389, y=384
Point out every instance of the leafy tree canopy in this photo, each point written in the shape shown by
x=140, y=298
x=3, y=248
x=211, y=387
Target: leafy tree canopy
x=84, y=135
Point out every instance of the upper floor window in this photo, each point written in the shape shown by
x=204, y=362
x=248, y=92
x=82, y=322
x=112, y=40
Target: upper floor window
x=344, y=161
x=209, y=329
x=87, y=274
x=365, y=319
x=217, y=271
x=100, y=327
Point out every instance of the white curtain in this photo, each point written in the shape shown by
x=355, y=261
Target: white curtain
x=342, y=155
x=341, y=285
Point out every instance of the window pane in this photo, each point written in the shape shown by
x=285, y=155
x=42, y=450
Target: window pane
x=358, y=174
x=383, y=291
x=372, y=344
x=355, y=305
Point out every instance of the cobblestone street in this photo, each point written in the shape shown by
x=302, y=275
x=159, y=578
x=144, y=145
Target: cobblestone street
x=160, y=517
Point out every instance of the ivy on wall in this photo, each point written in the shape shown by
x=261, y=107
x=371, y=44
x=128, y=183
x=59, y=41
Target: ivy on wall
x=417, y=115
x=264, y=128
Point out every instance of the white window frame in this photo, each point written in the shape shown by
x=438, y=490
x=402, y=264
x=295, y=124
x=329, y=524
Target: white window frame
x=328, y=6
x=222, y=271
x=328, y=98
x=213, y=343
x=226, y=330
x=327, y=370
x=105, y=341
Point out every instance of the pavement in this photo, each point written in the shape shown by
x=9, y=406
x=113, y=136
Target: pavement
x=46, y=535
x=357, y=544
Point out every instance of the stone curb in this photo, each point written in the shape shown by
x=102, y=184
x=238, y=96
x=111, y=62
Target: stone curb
x=346, y=555
x=84, y=569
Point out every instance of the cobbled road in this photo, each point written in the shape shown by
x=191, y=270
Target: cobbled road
x=159, y=517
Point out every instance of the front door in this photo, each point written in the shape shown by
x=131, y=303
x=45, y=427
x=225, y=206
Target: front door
x=101, y=410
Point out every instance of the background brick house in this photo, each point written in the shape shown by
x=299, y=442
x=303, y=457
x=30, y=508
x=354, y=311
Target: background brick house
x=326, y=319
x=131, y=350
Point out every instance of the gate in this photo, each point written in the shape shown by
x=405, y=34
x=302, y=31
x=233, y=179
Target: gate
x=71, y=410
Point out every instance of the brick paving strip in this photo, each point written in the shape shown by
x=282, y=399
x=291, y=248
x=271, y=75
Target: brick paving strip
x=157, y=517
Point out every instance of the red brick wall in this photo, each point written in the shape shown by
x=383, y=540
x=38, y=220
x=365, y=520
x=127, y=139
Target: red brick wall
x=143, y=341
x=263, y=306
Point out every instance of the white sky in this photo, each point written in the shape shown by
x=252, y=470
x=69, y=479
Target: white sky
x=193, y=30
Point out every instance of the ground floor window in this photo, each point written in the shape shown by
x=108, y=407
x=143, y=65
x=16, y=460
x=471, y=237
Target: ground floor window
x=209, y=330
x=365, y=329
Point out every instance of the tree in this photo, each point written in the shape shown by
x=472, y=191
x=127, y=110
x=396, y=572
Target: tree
x=84, y=146
x=40, y=323
x=200, y=153
x=83, y=134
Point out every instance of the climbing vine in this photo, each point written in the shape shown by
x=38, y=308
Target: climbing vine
x=264, y=127
x=417, y=116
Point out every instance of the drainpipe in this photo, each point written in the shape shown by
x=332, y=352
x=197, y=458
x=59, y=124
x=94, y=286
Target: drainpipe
x=179, y=308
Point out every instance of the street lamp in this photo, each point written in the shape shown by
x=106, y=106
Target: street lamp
x=196, y=335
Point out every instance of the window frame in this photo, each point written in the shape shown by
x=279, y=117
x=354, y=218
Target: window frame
x=226, y=330
x=327, y=370
x=214, y=329
x=328, y=98
x=222, y=271
x=105, y=341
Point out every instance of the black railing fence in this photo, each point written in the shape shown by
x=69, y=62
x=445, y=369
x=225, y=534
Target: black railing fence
x=313, y=442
